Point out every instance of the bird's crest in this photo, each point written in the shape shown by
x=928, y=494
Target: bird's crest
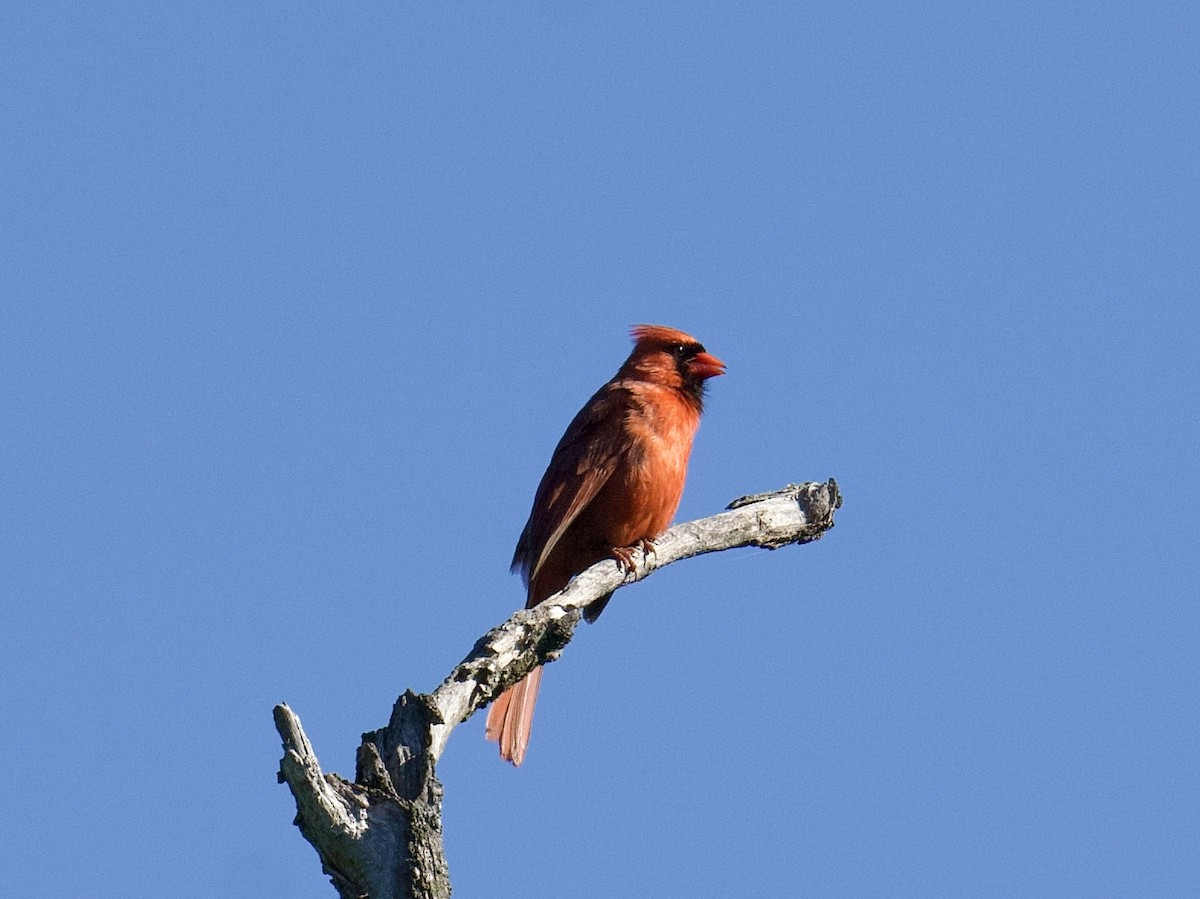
x=654, y=335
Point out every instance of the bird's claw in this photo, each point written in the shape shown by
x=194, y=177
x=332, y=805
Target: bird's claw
x=624, y=554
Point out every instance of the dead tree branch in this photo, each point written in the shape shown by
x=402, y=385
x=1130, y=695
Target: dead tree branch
x=381, y=836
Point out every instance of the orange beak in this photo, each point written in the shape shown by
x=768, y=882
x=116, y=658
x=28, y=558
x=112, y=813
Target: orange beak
x=706, y=365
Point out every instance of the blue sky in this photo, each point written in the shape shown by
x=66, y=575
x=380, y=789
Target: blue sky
x=298, y=300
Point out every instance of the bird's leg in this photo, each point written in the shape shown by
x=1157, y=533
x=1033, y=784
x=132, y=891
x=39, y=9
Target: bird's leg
x=624, y=554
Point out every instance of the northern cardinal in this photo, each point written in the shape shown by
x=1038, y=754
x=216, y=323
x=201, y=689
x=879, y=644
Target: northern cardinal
x=613, y=484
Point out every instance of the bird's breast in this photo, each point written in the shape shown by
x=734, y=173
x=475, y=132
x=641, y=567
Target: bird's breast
x=641, y=498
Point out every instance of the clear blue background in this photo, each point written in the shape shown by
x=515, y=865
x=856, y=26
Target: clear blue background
x=297, y=299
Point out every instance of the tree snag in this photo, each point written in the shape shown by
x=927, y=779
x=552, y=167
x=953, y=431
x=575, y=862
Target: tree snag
x=381, y=836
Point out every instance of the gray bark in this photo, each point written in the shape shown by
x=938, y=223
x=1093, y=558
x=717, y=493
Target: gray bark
x=381, y=836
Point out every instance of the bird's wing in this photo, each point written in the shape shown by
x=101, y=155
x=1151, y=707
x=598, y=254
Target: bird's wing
x=592, y=448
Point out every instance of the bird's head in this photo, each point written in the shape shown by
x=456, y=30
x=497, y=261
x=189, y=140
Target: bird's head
x=671, y=358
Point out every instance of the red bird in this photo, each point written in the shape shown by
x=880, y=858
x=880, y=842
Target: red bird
x=613, y=484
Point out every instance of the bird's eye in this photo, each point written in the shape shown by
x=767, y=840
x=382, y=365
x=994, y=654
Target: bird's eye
x=679, y=350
